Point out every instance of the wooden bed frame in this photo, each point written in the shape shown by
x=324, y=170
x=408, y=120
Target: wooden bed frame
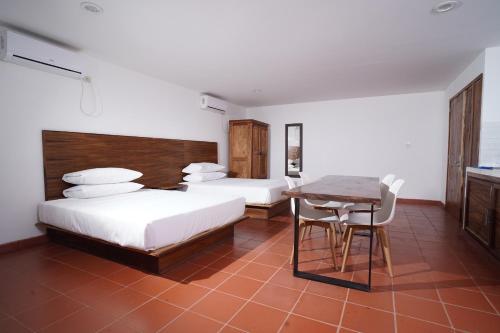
x=156, y=261
x=161, y=162
x=267, y=211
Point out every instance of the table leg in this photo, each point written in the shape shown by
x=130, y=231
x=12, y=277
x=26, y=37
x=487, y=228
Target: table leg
x=370, y=253
x=322, y=278
x=296, y=236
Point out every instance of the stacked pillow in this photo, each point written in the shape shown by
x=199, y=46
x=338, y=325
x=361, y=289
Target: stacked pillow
x=202, y=172
x=99, y=182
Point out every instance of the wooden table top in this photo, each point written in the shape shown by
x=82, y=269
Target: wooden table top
x=340, y=188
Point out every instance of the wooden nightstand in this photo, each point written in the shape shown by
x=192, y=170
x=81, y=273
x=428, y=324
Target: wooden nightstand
x=169, y=187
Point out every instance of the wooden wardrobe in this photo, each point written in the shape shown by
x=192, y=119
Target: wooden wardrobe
x=248, y=148
x=463, y=142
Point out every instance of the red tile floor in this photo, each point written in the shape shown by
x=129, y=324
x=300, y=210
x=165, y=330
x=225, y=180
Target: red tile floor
x=442, y=283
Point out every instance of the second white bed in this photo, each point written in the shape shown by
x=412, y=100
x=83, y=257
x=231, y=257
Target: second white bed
x=146, y=219
x=255, y=191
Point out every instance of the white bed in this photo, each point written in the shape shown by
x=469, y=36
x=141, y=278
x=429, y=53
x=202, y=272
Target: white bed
x=255, y=191
x=146, y=219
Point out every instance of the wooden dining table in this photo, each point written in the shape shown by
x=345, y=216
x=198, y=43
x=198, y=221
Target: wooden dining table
x=347, y=189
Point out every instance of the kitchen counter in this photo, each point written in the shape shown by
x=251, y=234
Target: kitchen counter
x=492, y=175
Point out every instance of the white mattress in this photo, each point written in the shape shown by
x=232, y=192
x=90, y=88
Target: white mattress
x=255, y=191
x=146, y=219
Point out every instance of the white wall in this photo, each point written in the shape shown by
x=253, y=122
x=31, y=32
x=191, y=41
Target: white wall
x=367, y=137
x=489, y=153
x=134, y=104
x=473, y=70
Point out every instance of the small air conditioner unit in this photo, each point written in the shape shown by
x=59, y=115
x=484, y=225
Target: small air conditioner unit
x=209, y=102
x=24, y=50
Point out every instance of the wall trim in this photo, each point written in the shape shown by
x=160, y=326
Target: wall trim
x=23, y=244
x=420, y=202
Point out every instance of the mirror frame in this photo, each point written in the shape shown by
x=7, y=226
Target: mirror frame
x=301, y=148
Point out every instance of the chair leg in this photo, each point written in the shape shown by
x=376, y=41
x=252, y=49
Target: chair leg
x=349, y=232
x=334, y=234
x=335, y=239
x=303, y=233
x=379, y=243
x=331, y=237
x=386, y=250
x=338, y=228
x=344, y=239
x=310, y=229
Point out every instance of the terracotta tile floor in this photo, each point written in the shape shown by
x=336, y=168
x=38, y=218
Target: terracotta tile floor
x=443, y=283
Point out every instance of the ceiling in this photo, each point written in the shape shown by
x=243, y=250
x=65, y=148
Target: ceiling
x=290, y=50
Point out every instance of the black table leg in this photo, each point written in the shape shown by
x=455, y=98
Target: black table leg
x=322, y=278
x=296, y=235
x=370, y=254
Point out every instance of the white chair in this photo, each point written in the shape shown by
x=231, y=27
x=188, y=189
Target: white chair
x=335, y=206
x=305, y=179
x=384, y=187
x=381, y=218
x=310, y=216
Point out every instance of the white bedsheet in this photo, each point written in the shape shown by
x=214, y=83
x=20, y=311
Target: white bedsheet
x=255, y=191
x=146, y=219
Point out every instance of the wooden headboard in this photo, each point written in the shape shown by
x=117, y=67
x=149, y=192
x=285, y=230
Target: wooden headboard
x=160, y=160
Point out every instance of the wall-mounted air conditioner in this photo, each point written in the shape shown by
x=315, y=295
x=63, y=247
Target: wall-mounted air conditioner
x=28, y=51
x=209, y=102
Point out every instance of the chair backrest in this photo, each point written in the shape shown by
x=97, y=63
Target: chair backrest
x=386, y=213
x=385, y=184
x=291, y=184
x=304, y=178
x=388, y=179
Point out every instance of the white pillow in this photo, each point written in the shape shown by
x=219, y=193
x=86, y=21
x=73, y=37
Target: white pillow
x=204, y=176
x=102, y=190
x=101, y=176
x=203, y=167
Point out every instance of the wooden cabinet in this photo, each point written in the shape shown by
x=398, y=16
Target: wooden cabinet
x=248, y=148
x=482, y=210
x=496, y=220
x=463, y=142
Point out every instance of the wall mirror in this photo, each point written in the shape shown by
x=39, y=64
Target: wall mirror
x=293, y=149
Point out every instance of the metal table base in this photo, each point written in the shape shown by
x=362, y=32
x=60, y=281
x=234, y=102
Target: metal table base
x=322, y=278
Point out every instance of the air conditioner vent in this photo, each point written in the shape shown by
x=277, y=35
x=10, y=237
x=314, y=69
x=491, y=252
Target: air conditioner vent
x=24, y=50
x=46, y=64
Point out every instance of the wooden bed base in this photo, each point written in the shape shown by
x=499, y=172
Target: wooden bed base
x=156, y=261
x=267, y=211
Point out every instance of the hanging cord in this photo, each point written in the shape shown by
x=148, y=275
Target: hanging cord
x=223, y=121
x=97, y=108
